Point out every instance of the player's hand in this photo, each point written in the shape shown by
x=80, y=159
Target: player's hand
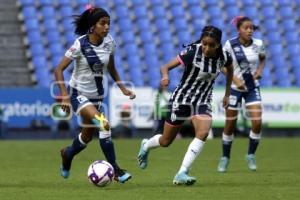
x=129, y=93
x=66, y=104
x=225, y=101
x=257, y=75
x=240, y=85
x=164, y=82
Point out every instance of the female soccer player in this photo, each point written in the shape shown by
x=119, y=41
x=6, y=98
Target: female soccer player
x=248, y=56
x=92, y=52
x=203, y=61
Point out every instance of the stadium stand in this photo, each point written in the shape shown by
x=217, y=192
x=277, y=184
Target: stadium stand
x=150, y=32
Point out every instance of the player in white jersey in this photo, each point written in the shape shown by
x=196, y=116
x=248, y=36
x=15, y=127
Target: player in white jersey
x=203, y=61
x=93, y=53
x=248, y=56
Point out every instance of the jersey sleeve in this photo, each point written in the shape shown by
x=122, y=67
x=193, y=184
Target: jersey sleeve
x=228, y=58
x=262, y=49
x=113, y=47
x=74, y=51
x=186, y=57
x=227, y=46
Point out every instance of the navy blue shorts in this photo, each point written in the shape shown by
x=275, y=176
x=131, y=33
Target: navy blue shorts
x=79, y=101
x=251, y=97
x=178, y=113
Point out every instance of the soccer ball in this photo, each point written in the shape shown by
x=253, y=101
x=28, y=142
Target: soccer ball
x=100, y=173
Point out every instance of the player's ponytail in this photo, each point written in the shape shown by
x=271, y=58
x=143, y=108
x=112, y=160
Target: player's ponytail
x=85, y=21
x=239, y=20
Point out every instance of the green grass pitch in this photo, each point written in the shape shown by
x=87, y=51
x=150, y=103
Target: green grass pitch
x=29, y=171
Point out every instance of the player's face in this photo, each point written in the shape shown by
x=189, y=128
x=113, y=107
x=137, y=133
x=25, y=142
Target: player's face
x=246, y=30
x=102, y=27
x=209, y=46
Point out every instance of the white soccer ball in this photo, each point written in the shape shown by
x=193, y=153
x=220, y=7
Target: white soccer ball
x=100, y=173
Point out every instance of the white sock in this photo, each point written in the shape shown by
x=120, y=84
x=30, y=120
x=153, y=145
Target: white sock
x=152, y=142
x=255, y=136
x=192, y=153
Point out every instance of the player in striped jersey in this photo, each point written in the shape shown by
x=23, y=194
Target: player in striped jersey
x=203, y=61
x=248, y=56
x=93, y=53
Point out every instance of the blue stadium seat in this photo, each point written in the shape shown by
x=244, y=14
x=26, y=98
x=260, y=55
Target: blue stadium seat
x=214, y=12
x=140, y=11
x=50, y=24
x=32, y=24
x=177, y=11
x=121, y=12
x=82, y=3
x=146, y=36
x=27, y=2
x=101, y=3
x=125, y=24
x=138, y=2
x=274, y=37
x=279, y=62
x=128, y=36
x=286, y=12
x=271, y=24
x=159, y=11
x=294, y=49
x=175, y=2
x=291, y=37
x=196, y=12
x=56, y=49
x=180, y=24
x=63, y=3
x=184, y=37
x=193, y=3
x=198, y=24
x=156, y=2
x=168, y=51
x=275, y=49
x=251, y=11
x=70, y=37
x=53, y=36
x=284, y=3
x=68, y=24
x=29, y=12
x=266, y=3
x=162, y=24
x=165, y=36
x=119, y=67
x=229, y=2
x=248, y=2
x=269, y=12
x=135, y=71
x=232, y=12
x=150, y=49
x=212, y=2
x=43, y=77
x=143, y=24
x=295, y=62
x=39, y=62
x=289, y=25
x=46, y=2
x=34, y=36
x=131, y=49
x=55, y=60
x=66, y=11
x=48, y=12
x=218, y=23
x=37, y=50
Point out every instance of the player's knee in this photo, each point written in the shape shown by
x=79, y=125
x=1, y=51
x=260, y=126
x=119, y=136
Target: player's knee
x=101, y=122
x=86, y=138
x=164, y=142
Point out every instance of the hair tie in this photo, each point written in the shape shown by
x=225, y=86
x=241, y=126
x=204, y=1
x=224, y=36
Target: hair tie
x=89, y=7
x=235, y=20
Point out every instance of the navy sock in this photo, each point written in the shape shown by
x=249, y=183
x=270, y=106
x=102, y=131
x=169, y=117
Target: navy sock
x=75, y=148
x=71, y=151
x=253, y=143
x=108, y=150
x=226, y=148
